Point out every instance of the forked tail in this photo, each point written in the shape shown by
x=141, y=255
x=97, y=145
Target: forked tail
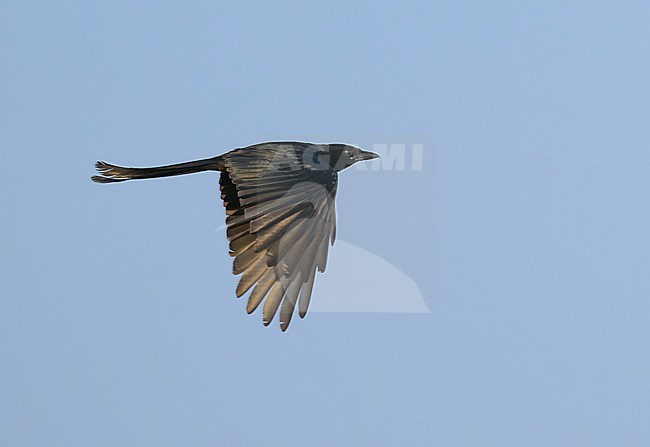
x=111, y=173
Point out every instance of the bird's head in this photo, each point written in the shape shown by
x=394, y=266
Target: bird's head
x=343, y=156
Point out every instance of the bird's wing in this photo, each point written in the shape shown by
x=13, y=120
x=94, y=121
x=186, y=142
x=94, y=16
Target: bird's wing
x=280, y=220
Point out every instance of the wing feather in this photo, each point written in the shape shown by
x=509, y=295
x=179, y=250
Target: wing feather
x=251, y=276
x=289, y=303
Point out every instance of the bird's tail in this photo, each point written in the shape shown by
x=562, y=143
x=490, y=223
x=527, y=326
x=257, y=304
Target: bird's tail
x=111, y=173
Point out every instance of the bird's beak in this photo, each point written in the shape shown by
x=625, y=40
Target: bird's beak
x=366, y=155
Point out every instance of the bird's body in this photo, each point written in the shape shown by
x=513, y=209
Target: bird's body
x=281, y=217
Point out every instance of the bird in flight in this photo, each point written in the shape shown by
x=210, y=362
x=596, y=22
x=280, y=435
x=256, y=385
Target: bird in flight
x=280, y=215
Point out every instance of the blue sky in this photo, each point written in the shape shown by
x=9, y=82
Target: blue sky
x=526, y=231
